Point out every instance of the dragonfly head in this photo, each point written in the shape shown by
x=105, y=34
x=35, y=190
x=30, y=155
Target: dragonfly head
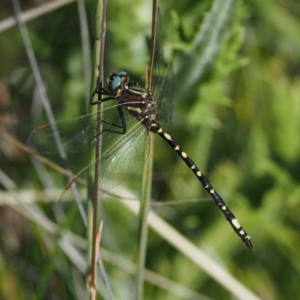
x=116, y=80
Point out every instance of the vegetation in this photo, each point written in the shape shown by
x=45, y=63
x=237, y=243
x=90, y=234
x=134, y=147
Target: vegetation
x=235, y=112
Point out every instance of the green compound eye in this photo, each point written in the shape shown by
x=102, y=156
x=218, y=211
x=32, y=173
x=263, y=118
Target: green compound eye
x=122, y=74
x=116, y=79
x=115, y=83
x=124, y=77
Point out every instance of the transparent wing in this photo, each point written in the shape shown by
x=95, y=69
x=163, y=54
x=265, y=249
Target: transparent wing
x=77, y=135
x=122, y=156
x=120, y=161
x=161, y=77
x=164, y=102
x=157, y=59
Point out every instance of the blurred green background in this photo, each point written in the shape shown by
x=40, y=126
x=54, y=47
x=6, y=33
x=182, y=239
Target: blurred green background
x=236, y=112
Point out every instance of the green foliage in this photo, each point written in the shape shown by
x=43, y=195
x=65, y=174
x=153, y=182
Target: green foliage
x=236, y=113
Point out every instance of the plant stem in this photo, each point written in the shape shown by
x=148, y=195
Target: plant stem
x=143, y=226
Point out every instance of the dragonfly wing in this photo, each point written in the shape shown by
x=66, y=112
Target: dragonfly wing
x=124, y=158
x=164, y=99
x=161, y=77
x=120, y=161
x=159, y=64
x=75, y=136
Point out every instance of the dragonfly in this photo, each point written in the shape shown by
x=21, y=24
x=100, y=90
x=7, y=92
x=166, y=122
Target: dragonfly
x=126, y=131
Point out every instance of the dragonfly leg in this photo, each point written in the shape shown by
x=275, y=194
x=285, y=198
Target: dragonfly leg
x=123, y=125
x=101, y=91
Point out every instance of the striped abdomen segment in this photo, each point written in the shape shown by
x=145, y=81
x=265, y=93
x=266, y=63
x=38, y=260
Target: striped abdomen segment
x=155, y=127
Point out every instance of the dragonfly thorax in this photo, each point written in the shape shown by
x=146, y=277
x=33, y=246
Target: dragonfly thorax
x=137, y=102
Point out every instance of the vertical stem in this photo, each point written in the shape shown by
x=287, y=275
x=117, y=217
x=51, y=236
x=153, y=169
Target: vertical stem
x=99, y=33
x=86, y=48
x=143, y=227
x=147, y=176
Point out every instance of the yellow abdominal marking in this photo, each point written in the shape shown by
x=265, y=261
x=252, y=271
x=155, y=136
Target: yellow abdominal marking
x=235, y=223
x=167, y=136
